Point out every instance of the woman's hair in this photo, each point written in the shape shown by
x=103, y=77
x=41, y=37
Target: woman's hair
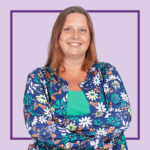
x=55, y=54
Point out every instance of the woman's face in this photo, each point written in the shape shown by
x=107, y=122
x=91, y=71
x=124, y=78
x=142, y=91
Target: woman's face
x=75, y=35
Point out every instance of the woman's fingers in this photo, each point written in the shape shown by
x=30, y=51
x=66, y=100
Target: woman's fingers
x=106, y=146
x=105, y=139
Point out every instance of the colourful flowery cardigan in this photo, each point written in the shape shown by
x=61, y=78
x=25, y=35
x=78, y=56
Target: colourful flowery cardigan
x=45, y=103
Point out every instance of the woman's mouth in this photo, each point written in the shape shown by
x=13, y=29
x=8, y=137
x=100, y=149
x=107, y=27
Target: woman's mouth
x=74, y=44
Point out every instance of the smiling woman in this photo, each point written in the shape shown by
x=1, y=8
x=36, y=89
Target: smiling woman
x=73, y=38
x=75, y=101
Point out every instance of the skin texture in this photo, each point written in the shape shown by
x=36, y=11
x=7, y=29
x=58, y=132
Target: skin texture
x=106, y=146
x=76, y=30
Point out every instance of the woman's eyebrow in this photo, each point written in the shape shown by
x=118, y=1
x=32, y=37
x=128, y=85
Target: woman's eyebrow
x=79, y=26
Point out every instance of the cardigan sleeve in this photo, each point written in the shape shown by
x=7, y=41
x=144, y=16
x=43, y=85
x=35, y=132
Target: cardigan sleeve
x=117, y=117
x=39, y=123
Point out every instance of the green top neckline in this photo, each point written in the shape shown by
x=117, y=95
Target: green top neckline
x=77, y=104
x=75, y=91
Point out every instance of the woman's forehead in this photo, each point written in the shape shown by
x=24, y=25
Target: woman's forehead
x=73, y=19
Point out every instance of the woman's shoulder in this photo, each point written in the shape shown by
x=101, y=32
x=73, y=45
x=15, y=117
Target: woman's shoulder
x=104, y=66
x=39, y=71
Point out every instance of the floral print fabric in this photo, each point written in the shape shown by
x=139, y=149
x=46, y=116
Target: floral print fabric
x=45, y=101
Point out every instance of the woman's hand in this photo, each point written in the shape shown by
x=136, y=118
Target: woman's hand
x=106, y=146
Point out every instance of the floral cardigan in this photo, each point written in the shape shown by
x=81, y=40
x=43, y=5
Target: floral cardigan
x=45, y=103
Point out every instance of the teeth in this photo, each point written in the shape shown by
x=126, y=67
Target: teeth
x=75, y=44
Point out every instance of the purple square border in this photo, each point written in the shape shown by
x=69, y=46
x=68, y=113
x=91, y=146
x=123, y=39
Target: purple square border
x=58, y=11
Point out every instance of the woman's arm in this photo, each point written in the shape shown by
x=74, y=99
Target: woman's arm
x=117, y=118
x=38, y=119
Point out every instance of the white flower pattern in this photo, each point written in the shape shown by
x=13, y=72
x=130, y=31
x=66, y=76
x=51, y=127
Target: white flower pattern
x=109, y=105
x=85, y=122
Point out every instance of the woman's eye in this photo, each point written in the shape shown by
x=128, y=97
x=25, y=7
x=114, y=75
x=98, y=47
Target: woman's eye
x=82, y=30
x=67, y=29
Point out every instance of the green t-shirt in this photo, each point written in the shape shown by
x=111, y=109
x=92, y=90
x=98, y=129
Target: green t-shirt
x=77, y=103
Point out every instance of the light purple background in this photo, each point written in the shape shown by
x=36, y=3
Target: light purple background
x=116, y=41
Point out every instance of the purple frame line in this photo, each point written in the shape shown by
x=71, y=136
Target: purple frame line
x=58, y=11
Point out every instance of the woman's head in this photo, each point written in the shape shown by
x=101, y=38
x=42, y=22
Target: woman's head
x=57, y=43
x=74, y=39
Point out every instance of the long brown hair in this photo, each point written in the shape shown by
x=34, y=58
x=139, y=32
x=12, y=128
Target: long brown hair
x=55, y=54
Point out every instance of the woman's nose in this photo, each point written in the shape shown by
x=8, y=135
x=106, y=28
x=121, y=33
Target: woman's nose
x=75, y=35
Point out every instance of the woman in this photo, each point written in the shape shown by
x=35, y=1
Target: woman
x=74, y=101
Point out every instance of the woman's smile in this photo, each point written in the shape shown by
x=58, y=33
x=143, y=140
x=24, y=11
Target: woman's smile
x=74, y=44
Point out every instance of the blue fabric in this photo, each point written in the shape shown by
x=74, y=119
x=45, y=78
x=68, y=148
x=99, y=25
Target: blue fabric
x=45, y=107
